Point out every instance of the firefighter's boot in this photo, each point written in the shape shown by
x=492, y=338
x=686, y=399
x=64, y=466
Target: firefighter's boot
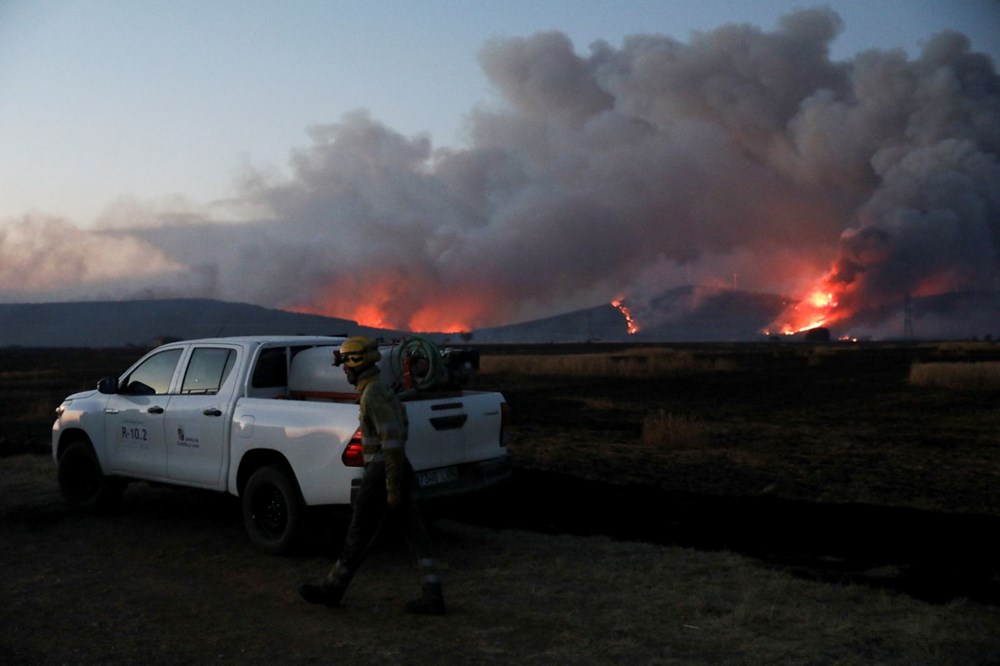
x=325, y=593
x=431, y=602
x=331, y=590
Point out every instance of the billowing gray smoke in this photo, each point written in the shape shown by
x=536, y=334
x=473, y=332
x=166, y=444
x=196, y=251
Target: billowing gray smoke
x=741, y=155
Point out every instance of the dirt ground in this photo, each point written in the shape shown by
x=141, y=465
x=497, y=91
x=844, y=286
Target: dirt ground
x=172, y=579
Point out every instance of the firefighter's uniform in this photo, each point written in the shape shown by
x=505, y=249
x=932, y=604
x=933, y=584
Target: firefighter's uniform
x=388, y=485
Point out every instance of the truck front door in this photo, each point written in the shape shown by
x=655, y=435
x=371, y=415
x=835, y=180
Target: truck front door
x=134, y=417
x=198, y=417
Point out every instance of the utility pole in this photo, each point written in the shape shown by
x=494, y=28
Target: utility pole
x=908, y=317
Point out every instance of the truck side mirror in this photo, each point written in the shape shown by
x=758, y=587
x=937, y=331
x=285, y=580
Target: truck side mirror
x=108, y=385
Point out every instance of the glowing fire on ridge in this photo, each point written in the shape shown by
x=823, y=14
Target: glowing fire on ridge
x=428, y=318
x=818, y=308
x=633, y=327
x=386, y=302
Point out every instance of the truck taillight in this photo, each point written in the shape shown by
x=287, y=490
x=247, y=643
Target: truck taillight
x=354, y=454
x=504, y=420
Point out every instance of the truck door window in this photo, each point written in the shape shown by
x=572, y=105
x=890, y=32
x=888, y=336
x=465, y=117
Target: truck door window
x=153, y=376
x=271, y=370
x=207, y=370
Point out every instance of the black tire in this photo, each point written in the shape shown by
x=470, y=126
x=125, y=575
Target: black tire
x=273, y=510
x=83, y=483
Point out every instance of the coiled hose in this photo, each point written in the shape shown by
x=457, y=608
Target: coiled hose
x=416, y=361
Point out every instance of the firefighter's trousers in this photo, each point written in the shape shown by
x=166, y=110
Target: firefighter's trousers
x=371, y=513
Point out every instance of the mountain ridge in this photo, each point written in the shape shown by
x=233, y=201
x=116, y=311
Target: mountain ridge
x=143, y=322
x=680, y=314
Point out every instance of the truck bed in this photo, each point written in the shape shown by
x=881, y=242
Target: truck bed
x=453, y=441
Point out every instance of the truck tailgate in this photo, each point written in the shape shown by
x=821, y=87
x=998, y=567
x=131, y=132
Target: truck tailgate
x=453, y=430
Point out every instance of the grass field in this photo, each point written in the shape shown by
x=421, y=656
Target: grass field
x=759, y=503
x=831, y=423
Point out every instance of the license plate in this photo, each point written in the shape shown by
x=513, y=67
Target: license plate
x=433, y=477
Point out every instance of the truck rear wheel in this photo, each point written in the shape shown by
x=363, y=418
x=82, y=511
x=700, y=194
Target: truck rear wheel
x=272, y=510
x=83, y=483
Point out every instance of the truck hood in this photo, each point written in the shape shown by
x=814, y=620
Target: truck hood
x=81, y=395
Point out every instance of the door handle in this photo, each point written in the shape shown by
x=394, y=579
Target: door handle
x=449, y=422
x=212, y=411
x=156, y=409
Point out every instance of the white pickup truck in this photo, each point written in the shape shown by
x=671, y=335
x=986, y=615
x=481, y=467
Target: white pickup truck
x=270, y=420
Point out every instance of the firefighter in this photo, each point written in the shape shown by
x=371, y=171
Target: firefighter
x=387, y=487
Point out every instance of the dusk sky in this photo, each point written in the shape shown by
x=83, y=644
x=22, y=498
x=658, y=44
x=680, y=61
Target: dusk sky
x=123, y=115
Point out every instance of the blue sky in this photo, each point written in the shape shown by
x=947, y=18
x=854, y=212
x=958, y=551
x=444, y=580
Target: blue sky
x=165, y=102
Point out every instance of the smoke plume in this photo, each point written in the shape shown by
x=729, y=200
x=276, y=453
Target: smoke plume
x=738, y=155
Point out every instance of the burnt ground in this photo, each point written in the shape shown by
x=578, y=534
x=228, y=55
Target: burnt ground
x=819, y=459
x=932, y=556
x=822, y=463
x=172, y=579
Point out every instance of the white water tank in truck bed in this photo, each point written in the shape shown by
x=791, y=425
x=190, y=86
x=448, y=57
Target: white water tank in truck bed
x=312, y=375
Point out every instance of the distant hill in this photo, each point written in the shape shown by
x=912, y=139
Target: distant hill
x=683, y=314
x=142, y=323
x=697, y=314
x=604, y=323
x=675, y=315
x=686, y=314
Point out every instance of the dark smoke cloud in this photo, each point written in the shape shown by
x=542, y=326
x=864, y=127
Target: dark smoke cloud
x=628, y=171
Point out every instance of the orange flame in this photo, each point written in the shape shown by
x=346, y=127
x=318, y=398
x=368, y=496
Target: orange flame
x=820, y=307
x=436, y=318
x=633, y=327
x=399, y=303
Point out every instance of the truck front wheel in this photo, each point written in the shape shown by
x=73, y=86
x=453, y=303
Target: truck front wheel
x=82, y=482
x=272, y=510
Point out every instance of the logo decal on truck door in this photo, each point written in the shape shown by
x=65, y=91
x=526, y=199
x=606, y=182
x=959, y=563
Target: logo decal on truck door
x=186, y=440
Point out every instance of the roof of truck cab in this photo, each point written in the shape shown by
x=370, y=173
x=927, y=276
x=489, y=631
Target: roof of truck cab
x=253, y=340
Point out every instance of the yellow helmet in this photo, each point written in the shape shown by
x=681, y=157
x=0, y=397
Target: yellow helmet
x=357, y=351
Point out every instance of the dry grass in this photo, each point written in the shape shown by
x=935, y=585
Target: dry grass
x=965, y=346
x=982, y=376
x=665, y=429
x=847, y=429
x=627, y=363
x=28, y=375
